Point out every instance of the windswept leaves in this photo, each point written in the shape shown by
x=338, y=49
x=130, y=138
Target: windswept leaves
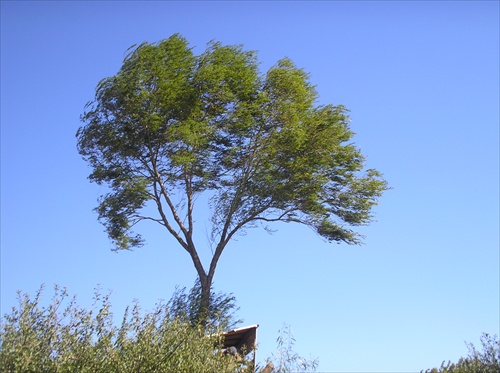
x=171, y=123
x=118, y=211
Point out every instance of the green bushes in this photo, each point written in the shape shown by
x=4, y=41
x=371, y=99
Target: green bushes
x=486, y=361
x=63, y=337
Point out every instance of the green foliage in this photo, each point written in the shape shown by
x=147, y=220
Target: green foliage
x=286, y=359
x=485, y=361
x=170, y=120
x=63, y=337
x=187, y=307
x=171, y=125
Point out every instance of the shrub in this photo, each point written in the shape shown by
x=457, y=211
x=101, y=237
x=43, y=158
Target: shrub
x=63, y=337
x=487, y=361
x=286, y=359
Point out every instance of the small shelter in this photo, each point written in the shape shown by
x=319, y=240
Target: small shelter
x=242, y=340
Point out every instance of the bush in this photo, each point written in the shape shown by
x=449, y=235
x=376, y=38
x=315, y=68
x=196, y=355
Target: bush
x=63, y=337
x=487, y=361
x=221, y=313
x=286, y=359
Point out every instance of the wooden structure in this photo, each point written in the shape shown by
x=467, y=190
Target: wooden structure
x=242, y=340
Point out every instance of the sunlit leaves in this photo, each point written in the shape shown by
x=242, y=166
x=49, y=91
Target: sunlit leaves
x=63, y=337
x=184, y=124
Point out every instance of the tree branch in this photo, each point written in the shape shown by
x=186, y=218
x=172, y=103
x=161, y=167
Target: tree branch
x=166, y=223
x=188, y=244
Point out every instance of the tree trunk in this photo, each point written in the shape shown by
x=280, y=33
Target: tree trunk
x=206, y=283
x=204, y=313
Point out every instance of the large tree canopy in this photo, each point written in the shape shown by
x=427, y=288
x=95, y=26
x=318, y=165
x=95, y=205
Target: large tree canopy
x=171, y=125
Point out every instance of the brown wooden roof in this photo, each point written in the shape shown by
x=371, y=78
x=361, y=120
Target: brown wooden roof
x=243, y=339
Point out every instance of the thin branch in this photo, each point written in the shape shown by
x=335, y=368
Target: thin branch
x=138, y=218
x=188, y=245
x=164, y=193
x=166, y=223
x=189, y=193
x=237, y=201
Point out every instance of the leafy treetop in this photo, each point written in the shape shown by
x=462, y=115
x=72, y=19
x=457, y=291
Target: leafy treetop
x=171, y=125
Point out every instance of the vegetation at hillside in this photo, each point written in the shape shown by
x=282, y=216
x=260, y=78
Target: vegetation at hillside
x=485, y=361
x=64, y=337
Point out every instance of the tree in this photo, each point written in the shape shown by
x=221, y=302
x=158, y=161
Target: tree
x=172, y=125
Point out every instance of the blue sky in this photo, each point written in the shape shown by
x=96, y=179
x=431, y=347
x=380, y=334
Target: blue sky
x=421, y=80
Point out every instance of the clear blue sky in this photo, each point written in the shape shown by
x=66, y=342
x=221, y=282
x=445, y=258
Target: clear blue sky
x=422, y=82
